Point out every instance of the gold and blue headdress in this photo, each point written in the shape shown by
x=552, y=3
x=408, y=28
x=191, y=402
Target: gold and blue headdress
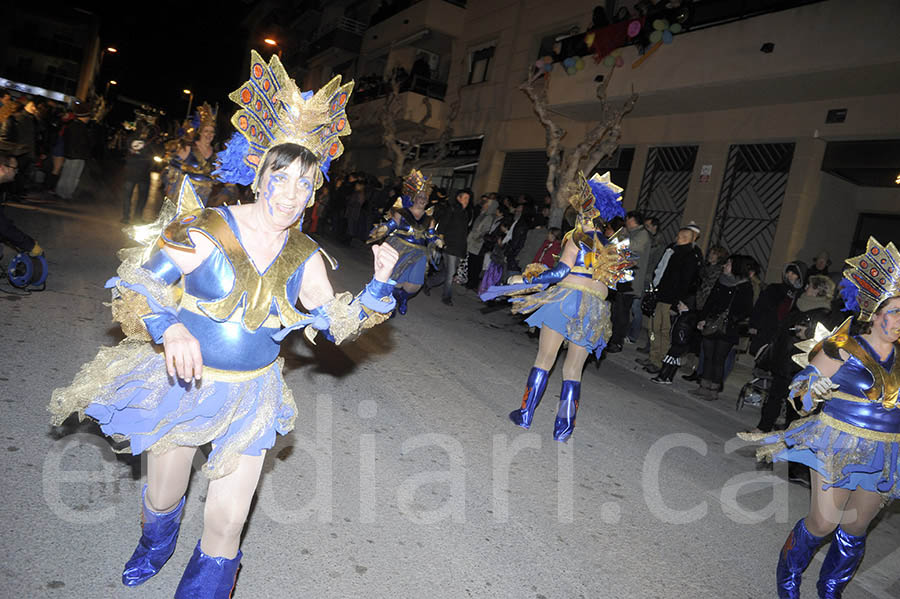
x=272, y=111
x=872, y=278
x=414, y=184
x=597, y=196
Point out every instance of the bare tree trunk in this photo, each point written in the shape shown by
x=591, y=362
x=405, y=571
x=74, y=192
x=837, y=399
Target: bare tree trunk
x=601, y=141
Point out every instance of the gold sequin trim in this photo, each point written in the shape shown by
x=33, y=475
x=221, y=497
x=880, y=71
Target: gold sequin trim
x=857, y=431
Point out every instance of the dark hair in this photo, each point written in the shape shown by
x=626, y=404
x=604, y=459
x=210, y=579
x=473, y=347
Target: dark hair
x=557, y=232
x=283, y=155
x=636, y=216
x=465, y=190
x=740, y=265
x=653, y=220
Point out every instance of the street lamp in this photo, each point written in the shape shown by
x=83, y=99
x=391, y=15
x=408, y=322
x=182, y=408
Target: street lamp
x=111, y=50
x=274, y=43
x=190, y=101
x=108, y=83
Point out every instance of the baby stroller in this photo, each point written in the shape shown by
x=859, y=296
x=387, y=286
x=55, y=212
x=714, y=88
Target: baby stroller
x=756, y=390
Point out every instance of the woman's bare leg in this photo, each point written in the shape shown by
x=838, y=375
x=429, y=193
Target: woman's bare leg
x=227, y=505
x=168, y=475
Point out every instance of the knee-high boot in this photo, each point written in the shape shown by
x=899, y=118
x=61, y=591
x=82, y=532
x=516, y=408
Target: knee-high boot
x=798, y=551
x=402, y=296
x=568, y=408
x=158, y=537
x=534, y=390
x=844, y=556
x=207, y=577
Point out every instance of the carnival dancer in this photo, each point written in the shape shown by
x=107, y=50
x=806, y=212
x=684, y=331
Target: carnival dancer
x=409, y=228
x=193, y=155
x=568, y=301
x=852, y=445
x=217, y=377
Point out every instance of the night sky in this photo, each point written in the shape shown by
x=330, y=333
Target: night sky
x=165, y=47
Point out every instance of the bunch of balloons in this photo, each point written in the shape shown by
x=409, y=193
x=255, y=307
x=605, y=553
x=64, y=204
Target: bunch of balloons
x=544, y=63
x=573, y=64
x=663, y=31
x=614, y=59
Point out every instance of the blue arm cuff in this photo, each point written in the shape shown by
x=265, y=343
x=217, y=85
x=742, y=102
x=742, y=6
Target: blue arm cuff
x=553, y=275
x=163, y=268
x=801, y=386
x=158, y=323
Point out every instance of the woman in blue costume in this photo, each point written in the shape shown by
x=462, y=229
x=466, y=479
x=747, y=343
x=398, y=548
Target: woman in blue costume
x=217, y=377
x=410, y=230
x=570, y=302
x=193, y=157
x=852, y=445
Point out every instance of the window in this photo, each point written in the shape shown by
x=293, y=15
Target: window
x=479, y=62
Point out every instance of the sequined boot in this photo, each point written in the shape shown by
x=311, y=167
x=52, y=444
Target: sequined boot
x=796, y=554
x=844, y=556
x=208, y=577
x=534, y=390
x=568, y=408
x=160, y=531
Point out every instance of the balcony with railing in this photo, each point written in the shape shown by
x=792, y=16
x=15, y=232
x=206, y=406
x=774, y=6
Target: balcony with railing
x=344, y=36
x=389, y=9
x=415, y=19
x=729, y=54
x=414, y=98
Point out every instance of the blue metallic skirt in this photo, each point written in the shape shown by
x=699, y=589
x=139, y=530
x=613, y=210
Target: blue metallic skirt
x=847, y=456
x=412, y=262
x=127, y=390
x=575, y=312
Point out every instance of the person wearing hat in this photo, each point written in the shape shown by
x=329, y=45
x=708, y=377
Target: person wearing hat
x=674, y=281
x=77, y=149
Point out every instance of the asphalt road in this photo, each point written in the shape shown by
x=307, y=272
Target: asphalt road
x=404, y=477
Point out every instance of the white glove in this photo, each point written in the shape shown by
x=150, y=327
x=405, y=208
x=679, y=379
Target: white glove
x=822, y=387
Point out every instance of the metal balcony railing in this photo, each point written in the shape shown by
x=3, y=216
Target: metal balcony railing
x=368, y=89
x=389, y=10
x=345, y=34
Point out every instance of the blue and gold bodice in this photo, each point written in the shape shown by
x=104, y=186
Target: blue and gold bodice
x=231, y=307
x=586, y=260
x=867, y=386
x=412, y=230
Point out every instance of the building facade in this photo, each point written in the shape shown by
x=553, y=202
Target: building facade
x=774, y=129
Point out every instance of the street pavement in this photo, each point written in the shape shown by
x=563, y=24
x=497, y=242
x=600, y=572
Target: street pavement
x=403, y=477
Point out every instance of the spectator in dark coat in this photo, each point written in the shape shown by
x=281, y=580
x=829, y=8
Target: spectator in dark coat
x=77, y=149
x=675, y=281
x=137, y=174
x=729, y=303
x=453, y=225
x=21, y=129
x=774, y=304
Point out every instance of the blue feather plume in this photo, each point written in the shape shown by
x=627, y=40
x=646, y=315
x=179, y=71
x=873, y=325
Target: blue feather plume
x=606, y=201
x=231, y=167
x=849, y=293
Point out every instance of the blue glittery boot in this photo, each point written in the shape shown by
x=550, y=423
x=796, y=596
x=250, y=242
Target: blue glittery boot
x=844, y=556
x=798, y=551
x=568, y=408
x=208, y=577
x=160, y=531
x=402, y=296
x=534, y=390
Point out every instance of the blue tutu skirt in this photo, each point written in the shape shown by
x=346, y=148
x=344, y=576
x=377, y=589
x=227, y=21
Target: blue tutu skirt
x=127, y=390
x=577, y=313
x=846, y=456
x=411, y=263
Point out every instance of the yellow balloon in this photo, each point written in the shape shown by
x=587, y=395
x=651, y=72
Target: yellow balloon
x=589, y=39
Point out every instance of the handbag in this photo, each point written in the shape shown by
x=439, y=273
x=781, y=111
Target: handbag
x=718, y=323
x=648, y=303
x=462, y=272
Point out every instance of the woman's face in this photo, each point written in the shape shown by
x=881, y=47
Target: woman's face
x=727, y=267
x=420, y=201
x=886, y=323
x=284, y=194
x=207, y=134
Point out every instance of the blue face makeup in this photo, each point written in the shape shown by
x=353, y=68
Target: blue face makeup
x=269, y=193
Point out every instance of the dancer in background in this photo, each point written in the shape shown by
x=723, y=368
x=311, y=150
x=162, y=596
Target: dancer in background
x=568, y=301
x=409, y=229
x=852, y=446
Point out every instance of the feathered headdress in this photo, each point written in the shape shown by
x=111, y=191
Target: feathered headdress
x=272, y=111
x=204, y=117
x=414, y=184
x=872, y=278
x=597, y=196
